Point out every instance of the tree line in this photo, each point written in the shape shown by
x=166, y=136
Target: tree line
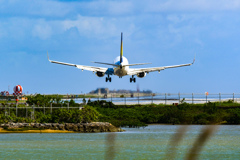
x=141, y=115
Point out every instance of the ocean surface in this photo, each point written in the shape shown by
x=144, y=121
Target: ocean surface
x=152, y=142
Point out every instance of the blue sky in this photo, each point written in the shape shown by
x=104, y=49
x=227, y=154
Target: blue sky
x=165, y=32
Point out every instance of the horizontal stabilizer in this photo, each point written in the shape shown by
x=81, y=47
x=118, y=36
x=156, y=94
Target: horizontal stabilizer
x=136, y=64
x=107, y=64
x=122, y=64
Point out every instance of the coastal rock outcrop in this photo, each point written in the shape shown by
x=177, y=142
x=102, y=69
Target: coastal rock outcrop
x=93, y=127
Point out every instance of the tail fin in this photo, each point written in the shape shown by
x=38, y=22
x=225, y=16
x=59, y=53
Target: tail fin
x=121, y=48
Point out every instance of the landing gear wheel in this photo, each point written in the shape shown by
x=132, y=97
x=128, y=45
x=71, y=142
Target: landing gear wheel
x=108, y=79
x=132, y=79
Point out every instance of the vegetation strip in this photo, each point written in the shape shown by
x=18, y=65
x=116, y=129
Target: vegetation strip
x=122, y=115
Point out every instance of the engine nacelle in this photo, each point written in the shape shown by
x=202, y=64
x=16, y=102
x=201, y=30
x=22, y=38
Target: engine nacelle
x=141, y=75
x=100, y=74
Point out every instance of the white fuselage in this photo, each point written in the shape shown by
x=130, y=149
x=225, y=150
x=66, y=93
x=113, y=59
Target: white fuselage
x=121, y=71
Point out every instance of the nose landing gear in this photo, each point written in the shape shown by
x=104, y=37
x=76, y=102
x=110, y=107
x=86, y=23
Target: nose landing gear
x=132, y=79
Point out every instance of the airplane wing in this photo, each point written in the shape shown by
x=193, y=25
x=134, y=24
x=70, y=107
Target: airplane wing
x=88, y=68
x=147, y=70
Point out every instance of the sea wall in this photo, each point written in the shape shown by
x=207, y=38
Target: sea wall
x=76, y=127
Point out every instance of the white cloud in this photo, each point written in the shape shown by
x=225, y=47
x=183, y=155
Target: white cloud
x=113, y=19
x=199, y=42
x=179, y=18
x=102, y=8
x=42, y=30
x=192, y=5
x=98, y=26
x=14, y=28
x=120, y=7
x=19, y=28
x=34, y=8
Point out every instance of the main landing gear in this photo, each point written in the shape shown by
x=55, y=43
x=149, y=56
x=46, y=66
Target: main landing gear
x=132, y=79
x=108, y=79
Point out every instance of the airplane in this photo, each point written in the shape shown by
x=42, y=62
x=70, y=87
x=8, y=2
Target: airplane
x=120, y=67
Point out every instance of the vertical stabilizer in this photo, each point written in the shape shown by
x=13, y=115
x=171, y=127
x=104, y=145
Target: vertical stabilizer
x=121, y=49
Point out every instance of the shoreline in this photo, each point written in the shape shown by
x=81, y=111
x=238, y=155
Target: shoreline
x=37, y=131
x=94, y=127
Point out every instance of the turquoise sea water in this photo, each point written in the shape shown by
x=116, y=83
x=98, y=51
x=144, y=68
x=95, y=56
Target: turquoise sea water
x=151, y=142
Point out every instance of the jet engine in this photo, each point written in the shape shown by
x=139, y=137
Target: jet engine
x=141, y=75
x=100, y=74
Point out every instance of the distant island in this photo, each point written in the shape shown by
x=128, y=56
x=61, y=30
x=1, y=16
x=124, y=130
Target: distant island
x=119, y=91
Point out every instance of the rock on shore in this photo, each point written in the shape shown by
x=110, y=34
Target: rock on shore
x=76, y=127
